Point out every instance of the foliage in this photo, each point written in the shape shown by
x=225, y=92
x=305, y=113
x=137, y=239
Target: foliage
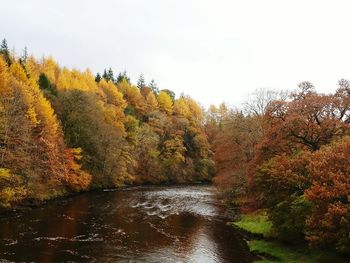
x=257, y=223
x=282, y=155
x=165, y=102
x=329, y=195
x=12, y=190
x=65, y=130
x=271, y=250
x=289, y=219
x=292, y=254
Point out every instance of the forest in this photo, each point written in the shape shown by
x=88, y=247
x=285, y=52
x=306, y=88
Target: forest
x=287, y=153
x=65, y=131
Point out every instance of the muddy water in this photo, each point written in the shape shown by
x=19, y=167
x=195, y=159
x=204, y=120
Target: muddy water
x=138, y=224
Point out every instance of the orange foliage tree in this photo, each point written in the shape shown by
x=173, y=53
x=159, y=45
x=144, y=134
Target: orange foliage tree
x=329, y=194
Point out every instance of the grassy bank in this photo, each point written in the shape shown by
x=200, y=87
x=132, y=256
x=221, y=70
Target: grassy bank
x=269, y=249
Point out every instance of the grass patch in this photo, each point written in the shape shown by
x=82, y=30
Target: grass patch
x=255, y=223
x=270, y=250
x=292, y=254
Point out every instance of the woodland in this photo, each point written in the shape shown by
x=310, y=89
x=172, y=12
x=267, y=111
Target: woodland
x=286, y=152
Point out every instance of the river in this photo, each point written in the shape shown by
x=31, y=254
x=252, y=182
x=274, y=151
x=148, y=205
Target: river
x=136, y=224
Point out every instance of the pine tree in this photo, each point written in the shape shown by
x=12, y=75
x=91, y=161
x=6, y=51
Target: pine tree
x=45, y=84
x=105, y=75
x=110, y=75
x=123, y=76
x=98, y=78
x=153, y=86
x=141, y=82
x=24, y=57
x=4, y=50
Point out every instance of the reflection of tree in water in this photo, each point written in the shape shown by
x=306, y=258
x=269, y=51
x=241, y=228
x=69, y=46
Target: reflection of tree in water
x=43, y=232
x=112, y=226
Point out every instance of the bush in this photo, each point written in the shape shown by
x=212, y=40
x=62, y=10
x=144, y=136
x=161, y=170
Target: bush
x=11, y=191
x=288, y=218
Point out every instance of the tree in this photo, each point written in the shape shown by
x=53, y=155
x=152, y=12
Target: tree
x=77, y=179
x=146, y=151
x=123, y=77
x=98, y=78
x=151, y=103
x=105, y=75
x=170, y=93
x=23, y=59
x=45, y=84
x=281, y=182
x=4, y=50
x=328, y=225
x=141, y=82
x=233, y=138
x=181, y=108
x=259, y=101
x=135, y=100
x=165, y=102
x=154, y=87
x=110, y=75
x=12, y=189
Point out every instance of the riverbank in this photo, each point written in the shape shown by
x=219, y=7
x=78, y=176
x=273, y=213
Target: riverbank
x=257, y=229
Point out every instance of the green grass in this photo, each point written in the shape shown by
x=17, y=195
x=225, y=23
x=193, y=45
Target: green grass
x=255, y=223
x=258, y=223
x=292, y=254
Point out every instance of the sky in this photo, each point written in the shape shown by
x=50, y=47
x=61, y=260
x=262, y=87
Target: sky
x=212, y=50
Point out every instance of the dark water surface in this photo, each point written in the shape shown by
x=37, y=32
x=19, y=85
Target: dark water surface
x=138, y=224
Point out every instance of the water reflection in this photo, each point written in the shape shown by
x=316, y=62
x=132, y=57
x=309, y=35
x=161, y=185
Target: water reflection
x=141, y=224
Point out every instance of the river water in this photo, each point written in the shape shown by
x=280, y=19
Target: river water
x=137, y=224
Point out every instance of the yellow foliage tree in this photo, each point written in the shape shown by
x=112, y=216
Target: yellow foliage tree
x=165, y=102
x=151, y=103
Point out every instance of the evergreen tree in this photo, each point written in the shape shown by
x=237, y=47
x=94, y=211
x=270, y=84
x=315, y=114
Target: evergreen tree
x=153, y=86
x=4, y=47
x=105, y=75
x=110, y=75
x=141, y=82
x=24, y=57
x=98, y=78
x=123, y=76
x=4, y=50
x=45, y=84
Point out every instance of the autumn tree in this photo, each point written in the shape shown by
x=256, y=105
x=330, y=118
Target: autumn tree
x=328, y=225
x=281, y=182
x=170, y=93
x=165, y=102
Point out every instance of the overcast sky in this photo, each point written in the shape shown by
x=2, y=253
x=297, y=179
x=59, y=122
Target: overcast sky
x=213, y=50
